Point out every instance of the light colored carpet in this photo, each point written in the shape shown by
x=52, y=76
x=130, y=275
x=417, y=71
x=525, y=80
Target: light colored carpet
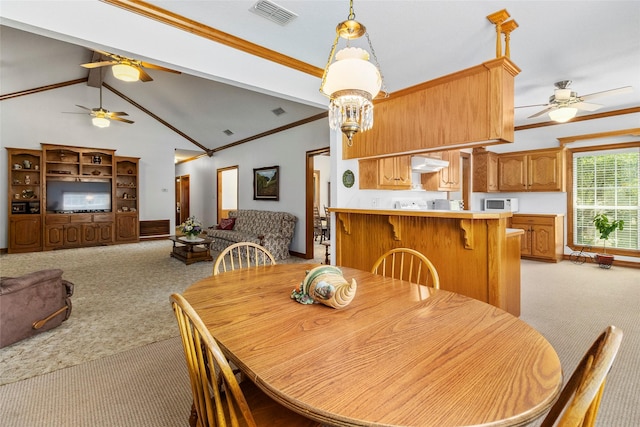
x=144, y=385
x=120, y=301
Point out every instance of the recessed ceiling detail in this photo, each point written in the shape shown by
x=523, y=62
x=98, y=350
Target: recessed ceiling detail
x=273, y=12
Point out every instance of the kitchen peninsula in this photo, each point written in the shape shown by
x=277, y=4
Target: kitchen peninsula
x=474, y=252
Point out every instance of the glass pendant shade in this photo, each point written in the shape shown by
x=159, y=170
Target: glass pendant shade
x=125, y=72
x=351, y=83
x=563, y=114
x=100, y=122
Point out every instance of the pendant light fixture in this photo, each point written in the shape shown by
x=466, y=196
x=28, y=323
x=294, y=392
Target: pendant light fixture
x=351, y=82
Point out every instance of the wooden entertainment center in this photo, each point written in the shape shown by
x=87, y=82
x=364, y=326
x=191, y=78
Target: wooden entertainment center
x=68, y=197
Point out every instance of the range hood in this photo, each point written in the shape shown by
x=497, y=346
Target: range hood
x=427, y=164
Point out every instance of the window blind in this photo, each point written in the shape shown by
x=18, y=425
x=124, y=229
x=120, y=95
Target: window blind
x=606, y=182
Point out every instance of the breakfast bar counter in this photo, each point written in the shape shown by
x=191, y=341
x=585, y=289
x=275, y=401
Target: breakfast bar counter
x=474, y=253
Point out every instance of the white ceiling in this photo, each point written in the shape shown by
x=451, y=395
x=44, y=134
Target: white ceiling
x=595, y=44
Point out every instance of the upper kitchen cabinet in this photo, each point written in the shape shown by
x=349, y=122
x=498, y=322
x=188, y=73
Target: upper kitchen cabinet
x=539, y=170
x=469, y=108
x=485, y=171
x=448, y=178
x=387, y=173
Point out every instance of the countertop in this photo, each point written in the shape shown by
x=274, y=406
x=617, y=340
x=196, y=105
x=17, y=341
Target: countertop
x=427, y=213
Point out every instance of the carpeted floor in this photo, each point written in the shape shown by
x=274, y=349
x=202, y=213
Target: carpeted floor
x=132, y=382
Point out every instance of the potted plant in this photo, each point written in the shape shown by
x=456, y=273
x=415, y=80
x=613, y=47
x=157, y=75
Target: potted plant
x=605, y=228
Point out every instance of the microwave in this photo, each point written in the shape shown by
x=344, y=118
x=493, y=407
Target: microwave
x=502, y=205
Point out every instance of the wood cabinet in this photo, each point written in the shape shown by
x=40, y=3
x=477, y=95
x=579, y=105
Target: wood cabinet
x=543, y=237
x=24, y=193
x=468, y=108
x=540, y=170
x=126, y=199
x=67, y=197
x=448, y=178
x=485, y=171
x=388, y=173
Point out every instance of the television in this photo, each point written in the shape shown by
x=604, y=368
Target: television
x=72, y=196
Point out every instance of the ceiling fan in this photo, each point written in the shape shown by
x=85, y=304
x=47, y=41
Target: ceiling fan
x=102, y=117
x=126, y=69
x=564, y=103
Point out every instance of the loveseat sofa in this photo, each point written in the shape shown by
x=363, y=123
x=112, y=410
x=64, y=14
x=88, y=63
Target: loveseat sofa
x=273, y=230
x=33, y=303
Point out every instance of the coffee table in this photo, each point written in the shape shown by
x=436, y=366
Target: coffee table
x=190, y=251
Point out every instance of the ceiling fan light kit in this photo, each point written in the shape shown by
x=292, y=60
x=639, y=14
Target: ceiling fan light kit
x=100, y=122
x=351, y=82
x=125, y=72
x=563, y=114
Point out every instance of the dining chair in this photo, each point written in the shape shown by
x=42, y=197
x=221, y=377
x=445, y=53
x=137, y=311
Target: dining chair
x=319, y=229
x=580, y=398
x=242, y=255
x=407, y=264
x=218, y=399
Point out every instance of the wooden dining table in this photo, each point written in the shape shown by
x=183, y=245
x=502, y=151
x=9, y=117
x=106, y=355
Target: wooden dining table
x=399, y=354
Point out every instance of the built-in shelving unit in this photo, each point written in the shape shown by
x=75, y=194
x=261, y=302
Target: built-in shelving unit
x=66, y=197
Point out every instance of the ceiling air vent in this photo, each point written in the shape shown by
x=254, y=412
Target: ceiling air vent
x=278, y=111
x=273, y=12
x=227, y=132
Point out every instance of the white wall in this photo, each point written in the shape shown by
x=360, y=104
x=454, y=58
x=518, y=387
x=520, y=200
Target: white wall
x=27, y=121
x=285, y=149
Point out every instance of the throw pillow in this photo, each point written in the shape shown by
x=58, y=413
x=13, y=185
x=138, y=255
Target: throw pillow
x=226, y=224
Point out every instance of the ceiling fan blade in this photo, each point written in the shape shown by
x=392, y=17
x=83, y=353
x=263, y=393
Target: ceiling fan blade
x=617, y=91
x=143, y=75
x=540, y=113
x=158, y=67
x=98, y=64
x=88, y=109
x=118, y=113
x=534, y=105
x=587, y=106
x=121, y=120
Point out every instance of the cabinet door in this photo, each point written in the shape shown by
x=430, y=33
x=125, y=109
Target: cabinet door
x=512, y=172
x=24, y=234
x=546, y=171
x=54, y=236
x=387, y=172
x=450, y=176
x=72, y=234
x=368, y=174
x=104, y=232
x=543, y=241
x=525, y=239
x=126, y=227
x=89, y=233
x=403, y=171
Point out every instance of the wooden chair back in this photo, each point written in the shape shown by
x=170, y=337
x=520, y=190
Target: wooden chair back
x=407, y=264
x=580, y=398
x=242, y=255
x=218, y=399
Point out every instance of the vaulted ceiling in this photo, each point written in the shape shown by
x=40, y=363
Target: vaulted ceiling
x=270, y=66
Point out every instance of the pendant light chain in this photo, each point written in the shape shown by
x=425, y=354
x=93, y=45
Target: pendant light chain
x=375, y=58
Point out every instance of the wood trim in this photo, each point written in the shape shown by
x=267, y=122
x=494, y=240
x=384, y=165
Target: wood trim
x=308, y=230
x=164, y=122
x=622, y=132
x=158, y=227
x=42, y=88
x=582, y=118
x=569, y=185
x=172, y=19
x=272, y=131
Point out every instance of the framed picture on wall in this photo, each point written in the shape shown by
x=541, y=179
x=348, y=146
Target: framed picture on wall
x=266, y=183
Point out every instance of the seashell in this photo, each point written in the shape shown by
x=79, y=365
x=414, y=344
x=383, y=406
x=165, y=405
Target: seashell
x=325, y=285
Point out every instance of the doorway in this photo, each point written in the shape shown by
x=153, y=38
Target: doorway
x=182, y=199
x=227, y=191
x=314, y=193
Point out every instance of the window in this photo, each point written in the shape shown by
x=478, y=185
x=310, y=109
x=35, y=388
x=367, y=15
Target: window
x=606, y=181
